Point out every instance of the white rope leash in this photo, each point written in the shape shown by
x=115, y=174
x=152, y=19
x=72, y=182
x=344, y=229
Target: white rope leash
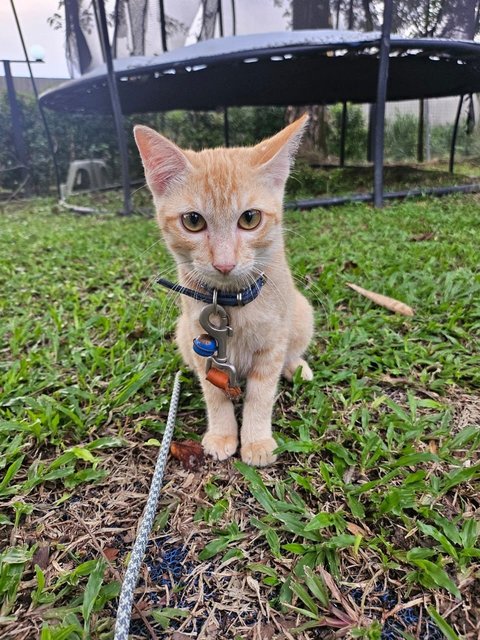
x=124, y=612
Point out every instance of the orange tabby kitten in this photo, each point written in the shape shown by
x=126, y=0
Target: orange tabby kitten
x=220, y=212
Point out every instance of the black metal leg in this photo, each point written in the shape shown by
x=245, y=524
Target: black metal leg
x=163, y=27
x=17, y=125
x=226, y=127
x=421, y=131
x=48, y=135
x=379, y=133
x=371, y=129
x=453, y=143
x=116, y=106
x=343, y=132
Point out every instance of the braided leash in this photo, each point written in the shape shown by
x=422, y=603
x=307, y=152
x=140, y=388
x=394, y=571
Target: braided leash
x=122, y=625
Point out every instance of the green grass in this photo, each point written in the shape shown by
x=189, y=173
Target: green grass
x=308, y=182
x=376, y=490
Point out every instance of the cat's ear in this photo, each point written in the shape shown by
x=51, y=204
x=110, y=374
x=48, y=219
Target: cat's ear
x=275, y=156
x=163, y=161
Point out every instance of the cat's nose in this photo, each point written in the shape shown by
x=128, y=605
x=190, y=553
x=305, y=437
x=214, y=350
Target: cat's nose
x=224, y=268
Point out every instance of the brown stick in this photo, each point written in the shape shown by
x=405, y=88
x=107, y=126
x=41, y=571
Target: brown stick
x=384, y=301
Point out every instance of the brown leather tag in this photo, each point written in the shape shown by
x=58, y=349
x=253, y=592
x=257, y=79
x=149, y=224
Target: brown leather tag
x=221, y=380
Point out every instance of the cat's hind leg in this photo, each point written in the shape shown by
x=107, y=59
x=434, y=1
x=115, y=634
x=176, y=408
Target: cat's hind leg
x=300, y=335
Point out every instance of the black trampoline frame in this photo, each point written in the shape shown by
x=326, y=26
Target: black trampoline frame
x=383, y=45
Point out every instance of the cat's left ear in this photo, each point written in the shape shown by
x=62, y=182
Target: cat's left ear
x=274, y=156
x=163, y=161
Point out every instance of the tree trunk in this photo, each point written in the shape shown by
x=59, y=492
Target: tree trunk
x=311, y=14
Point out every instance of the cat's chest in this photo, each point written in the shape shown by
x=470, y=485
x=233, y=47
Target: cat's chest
x=255, y=335
x=257, y=330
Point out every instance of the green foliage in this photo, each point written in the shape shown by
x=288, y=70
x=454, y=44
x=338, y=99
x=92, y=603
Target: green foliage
x=401, y=137
x=376, y=466
x=356, y=132
x=12, y=564
x=77, y=136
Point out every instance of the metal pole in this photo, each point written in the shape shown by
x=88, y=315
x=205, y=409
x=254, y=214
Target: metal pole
x=220, y=17
x=226, y=127
x=384, y=55
x=234, y=19
x=343, y=132
x=48, y=135
x=163, y=27
x=426, y=107
x=16, y=119
x=371, y=128
x=421, y=131
x=454, y=135
x=116, y=106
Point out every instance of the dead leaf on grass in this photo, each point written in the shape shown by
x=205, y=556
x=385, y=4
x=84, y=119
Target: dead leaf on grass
x=356, y=530
x=42, y=557
x=189, y=452
x=384, y=301
x=110, y=553
x=420, y=237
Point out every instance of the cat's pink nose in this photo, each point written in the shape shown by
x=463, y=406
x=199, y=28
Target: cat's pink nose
x=224, y=268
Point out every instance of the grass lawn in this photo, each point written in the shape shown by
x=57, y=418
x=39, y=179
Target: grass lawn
x=368, y=525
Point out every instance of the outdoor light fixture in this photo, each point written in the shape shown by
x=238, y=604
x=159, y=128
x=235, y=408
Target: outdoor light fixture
x=37, y=53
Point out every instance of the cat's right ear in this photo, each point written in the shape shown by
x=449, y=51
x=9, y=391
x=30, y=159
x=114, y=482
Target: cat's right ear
x=163, y=161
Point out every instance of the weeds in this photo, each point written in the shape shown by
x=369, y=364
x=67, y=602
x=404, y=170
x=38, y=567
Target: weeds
x=367, y=526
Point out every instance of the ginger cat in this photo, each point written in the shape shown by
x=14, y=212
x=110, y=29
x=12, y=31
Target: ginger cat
x=220, y=212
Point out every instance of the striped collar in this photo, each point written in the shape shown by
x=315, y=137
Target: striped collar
x=224, y=298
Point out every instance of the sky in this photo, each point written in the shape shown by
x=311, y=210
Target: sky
x=253, y=16
x=33, y=16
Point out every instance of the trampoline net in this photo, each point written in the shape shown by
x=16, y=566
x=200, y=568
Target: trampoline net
x=417, y=136
x=136, y=27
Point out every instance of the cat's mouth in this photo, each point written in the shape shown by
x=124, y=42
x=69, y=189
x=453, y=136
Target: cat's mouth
x=206, y=277
x=236, y=280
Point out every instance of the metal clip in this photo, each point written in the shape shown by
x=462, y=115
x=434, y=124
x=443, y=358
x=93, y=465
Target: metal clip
x=221, y=333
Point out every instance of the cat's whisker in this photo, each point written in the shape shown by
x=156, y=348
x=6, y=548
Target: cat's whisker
x=314, y=288
x=294, y=232
x=144, y=186
x=167, y=302
x=274, y=286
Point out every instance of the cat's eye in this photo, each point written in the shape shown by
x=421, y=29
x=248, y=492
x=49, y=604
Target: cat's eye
x=249, y=219
x=193, y=221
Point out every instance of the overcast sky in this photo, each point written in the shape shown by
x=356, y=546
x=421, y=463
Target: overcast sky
x=252, y=16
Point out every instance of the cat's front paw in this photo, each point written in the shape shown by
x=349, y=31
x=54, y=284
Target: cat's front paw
x=259, y=453
x=219, y=447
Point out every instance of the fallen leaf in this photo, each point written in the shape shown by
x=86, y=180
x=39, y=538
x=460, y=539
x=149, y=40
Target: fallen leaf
x=42, y=556
x=110, y=553
x=189, y=452
x=356, y=530
x=268, y=631
x=384, y=301
x=422, y=236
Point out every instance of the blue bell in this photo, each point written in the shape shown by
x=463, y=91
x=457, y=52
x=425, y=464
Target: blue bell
x=205, y=345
